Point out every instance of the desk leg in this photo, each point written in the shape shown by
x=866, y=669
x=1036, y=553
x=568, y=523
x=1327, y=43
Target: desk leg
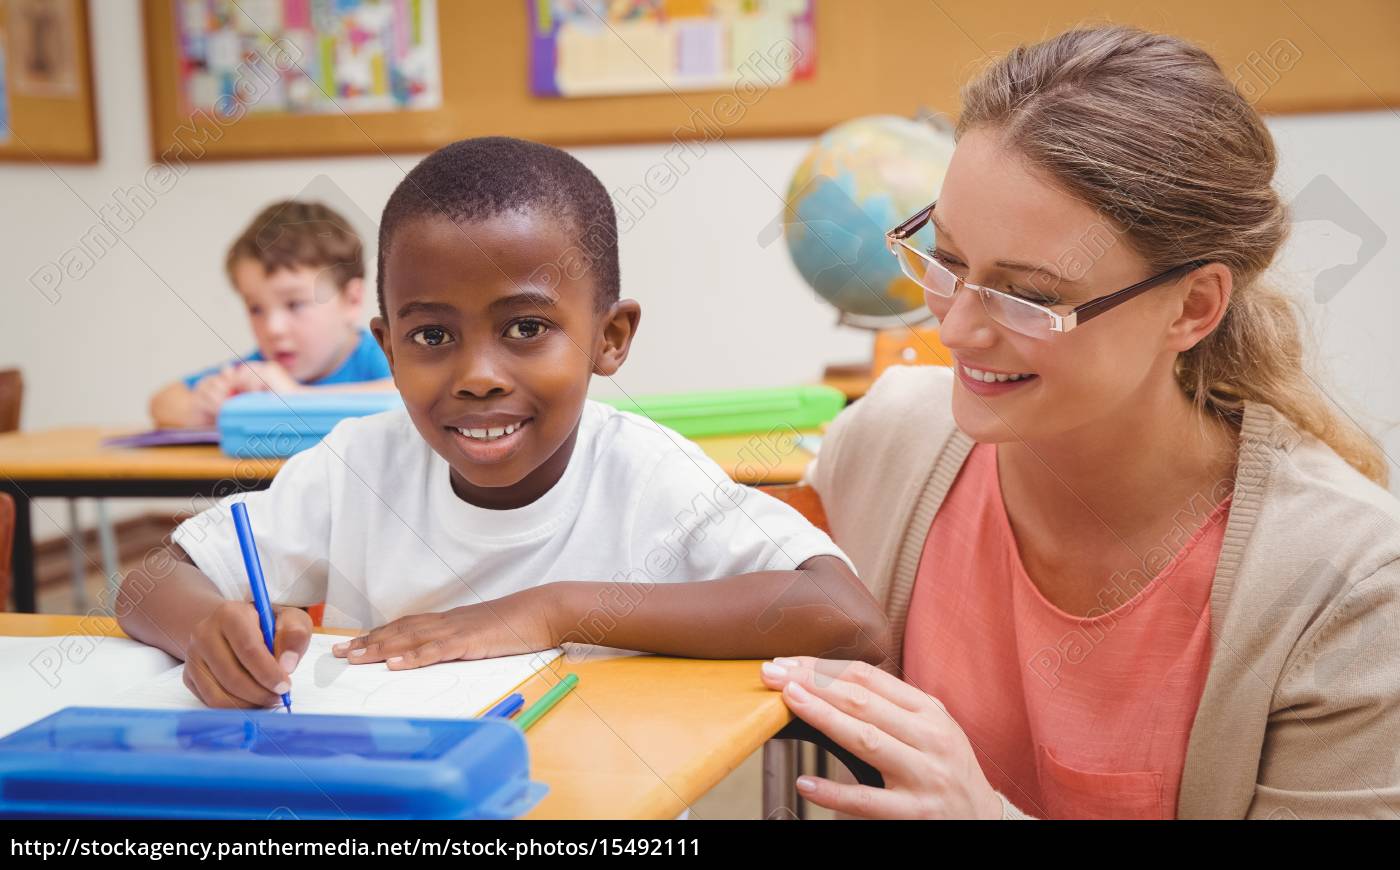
x=780, y=779
x=22, y=561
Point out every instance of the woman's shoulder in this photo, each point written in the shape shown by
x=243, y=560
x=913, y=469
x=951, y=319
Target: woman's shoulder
x=1310, y=499
x=1308, y=610
x=1314, y=530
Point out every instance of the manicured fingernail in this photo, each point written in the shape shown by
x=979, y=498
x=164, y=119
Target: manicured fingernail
x=340, y=648
x=288, y=661
x=357, y=652
x=806, y=783
x=798, y=693
x=395, y=660
x=774, y=670
x=282, y=688
x=787, y=663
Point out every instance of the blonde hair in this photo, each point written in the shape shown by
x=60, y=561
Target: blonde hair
x=1146, y=129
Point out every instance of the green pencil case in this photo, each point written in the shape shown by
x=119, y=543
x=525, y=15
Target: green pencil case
x=738, y=412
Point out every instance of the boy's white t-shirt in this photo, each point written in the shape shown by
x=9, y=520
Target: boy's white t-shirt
x=367, y=522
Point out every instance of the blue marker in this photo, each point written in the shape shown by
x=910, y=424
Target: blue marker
x=255, y=580
x=507, y=707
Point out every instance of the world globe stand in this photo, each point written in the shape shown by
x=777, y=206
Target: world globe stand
x=855, y=182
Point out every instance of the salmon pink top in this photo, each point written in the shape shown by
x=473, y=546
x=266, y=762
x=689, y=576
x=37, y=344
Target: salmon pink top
x=1070, y=716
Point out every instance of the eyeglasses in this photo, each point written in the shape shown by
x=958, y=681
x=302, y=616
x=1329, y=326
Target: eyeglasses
x=1014, y=312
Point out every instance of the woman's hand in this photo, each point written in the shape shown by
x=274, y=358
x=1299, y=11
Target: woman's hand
x=929, y=768
x=511, y=625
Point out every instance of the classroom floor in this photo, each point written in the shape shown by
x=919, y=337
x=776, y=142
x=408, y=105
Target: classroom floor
x=737, y=796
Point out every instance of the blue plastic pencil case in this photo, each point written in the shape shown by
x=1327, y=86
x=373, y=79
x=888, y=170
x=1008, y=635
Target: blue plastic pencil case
x=271, y=425
x=90, y=762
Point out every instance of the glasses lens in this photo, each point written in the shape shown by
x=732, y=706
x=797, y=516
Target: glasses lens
x=1016, y=315
x=924, y=271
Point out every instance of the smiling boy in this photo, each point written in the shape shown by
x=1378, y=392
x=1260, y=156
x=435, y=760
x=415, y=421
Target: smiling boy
x=501, y=511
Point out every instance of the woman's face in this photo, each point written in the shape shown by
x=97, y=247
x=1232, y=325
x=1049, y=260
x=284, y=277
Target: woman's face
x=1003, y=225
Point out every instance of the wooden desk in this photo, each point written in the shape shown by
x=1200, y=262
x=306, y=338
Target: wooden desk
x=641, y=736
x=72, y=463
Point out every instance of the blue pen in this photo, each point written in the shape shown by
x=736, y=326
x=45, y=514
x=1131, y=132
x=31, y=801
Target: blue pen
x=255, y=580
x=507, y=707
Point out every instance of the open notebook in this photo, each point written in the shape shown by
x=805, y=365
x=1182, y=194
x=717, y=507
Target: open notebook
x=39, y=675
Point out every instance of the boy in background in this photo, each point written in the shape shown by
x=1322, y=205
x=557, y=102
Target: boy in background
x=299, y=268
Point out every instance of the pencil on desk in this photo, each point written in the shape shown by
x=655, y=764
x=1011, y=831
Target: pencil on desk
x=545, y=704
x=506, y=708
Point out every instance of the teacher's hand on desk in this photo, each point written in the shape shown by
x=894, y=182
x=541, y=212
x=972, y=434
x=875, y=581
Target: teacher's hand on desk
x=927, y=763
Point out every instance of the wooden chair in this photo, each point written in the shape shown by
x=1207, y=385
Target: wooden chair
x=804, y=499
x=11, y=399
x=11, y=395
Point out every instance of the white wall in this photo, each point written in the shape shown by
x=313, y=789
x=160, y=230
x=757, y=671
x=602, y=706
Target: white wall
x=719, y=310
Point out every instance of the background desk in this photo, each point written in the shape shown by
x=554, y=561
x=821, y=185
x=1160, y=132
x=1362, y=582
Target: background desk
x=72, y=463
x=641, y=736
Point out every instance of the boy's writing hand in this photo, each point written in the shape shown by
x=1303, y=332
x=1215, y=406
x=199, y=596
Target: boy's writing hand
x=507, y=626
x=254, y=377
x=210, y=393
x=227, y=663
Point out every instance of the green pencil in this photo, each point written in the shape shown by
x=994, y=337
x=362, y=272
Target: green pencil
x=545, y=704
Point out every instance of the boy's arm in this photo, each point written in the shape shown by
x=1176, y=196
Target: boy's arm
x=261, y=376
x=821, y=609
x=161, y=602
x=177, y=406
x=173, y=406
x=170, y=604
x=383, y=385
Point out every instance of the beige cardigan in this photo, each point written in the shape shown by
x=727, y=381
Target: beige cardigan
x=1300, y=715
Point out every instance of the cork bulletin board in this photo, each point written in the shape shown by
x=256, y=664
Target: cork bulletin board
x=47, y=101
x=895, y=56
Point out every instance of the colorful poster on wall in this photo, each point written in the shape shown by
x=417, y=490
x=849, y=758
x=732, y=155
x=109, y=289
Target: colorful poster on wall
x=44, y=45
x=581, y=48
x=309, y=56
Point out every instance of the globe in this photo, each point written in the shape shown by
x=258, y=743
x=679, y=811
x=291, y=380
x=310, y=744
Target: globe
x=859, y=180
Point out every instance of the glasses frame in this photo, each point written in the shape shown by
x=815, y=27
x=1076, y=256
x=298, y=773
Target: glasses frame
x=1071, y=319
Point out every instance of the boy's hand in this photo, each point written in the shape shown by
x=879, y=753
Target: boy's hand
x=512, y=625
x=210, y=393
x=255, y=377
x=228, y=665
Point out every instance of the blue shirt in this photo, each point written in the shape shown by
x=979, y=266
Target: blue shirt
x=365, y=363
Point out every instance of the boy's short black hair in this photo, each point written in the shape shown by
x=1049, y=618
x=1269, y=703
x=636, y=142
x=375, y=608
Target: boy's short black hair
x=478, y=179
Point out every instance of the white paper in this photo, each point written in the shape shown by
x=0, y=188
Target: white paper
x=323, y=683
x=40, y=675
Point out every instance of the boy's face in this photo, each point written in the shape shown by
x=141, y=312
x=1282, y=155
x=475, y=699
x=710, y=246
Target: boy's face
x=492, y=347
x=306, y=327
